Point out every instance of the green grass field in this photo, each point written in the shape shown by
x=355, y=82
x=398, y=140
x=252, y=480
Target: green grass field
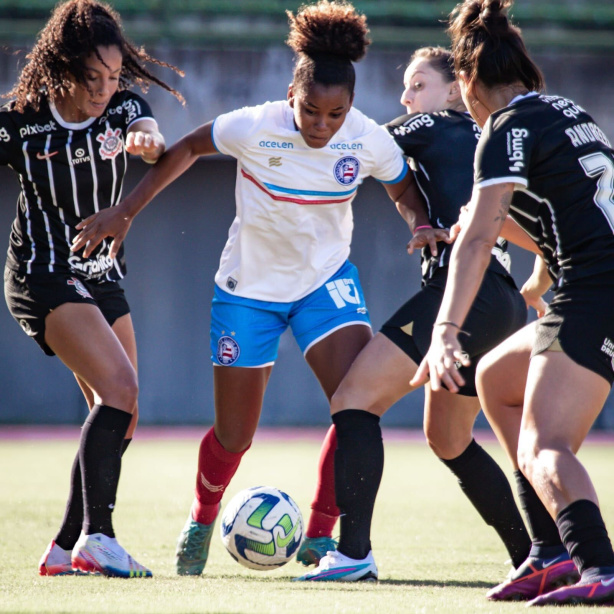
x=433, y=551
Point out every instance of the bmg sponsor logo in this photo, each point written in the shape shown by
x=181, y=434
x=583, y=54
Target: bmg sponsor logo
x=515, y=148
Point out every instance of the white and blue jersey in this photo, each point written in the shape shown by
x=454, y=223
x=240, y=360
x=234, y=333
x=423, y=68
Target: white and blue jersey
x=293, y=225
x=285, y=262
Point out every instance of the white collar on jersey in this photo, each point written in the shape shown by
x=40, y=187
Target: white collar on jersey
x=522, y=96
x=70, y=125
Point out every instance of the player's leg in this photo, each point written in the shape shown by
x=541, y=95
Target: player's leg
x=345, y=344
x=84, y=341
x=57, y=557
x=501, y=380
x=448, y=425
x=244, y=342
x=378, y=378
x=563, y=399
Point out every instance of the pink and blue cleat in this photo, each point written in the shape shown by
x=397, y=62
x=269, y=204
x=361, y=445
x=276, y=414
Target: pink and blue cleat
x=594, y=588
x=534, y=577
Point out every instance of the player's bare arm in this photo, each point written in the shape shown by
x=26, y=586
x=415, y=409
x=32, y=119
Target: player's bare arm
x=410, y=205
x=474, y=244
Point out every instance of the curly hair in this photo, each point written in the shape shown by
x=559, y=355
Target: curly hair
x=326, y=38
x=74, y=31
x=488, y=47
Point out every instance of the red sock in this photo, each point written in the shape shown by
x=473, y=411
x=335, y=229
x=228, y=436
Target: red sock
x=216, y=466
x=324, y=510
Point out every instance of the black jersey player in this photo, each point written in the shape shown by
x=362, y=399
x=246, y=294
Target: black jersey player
x=66, y=133
x=543, y=159
x=439, y=138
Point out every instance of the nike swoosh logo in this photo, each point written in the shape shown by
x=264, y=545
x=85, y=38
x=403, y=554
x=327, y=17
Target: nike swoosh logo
x=607, y=582
x=42, y=156
x=282, y=542
x=558, y=559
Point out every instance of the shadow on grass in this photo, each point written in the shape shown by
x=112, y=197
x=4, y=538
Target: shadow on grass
x=383, y=582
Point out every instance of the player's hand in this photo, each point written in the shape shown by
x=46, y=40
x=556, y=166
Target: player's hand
x=533, y=298
x=458, y=225
x=149, y=145
x=428, y=236
x=441, y=360
x=111, y=222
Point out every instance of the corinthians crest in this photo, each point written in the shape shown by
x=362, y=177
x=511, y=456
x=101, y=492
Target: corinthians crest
x=111, y=143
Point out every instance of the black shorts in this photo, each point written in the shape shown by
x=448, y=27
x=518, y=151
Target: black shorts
x=30, y=299
x=579, y=322
x=497, y=312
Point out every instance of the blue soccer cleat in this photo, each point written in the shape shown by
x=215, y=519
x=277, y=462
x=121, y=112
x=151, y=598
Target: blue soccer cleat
x=193, y=547
x=315, y=548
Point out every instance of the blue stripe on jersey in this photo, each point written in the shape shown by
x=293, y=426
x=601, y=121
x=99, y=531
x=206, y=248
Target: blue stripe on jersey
x=212, y=139
x=308, y=192
x=400, y=177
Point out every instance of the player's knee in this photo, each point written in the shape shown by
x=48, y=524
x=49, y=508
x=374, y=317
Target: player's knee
x=123, y=392
x=445, y=444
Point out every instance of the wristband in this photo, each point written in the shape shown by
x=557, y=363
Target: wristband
x=428, y=226
x=149, y=161
x=454, y=324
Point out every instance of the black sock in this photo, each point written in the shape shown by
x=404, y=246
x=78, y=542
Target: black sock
x=546, y=539
x=486, y=486
x=359, y=464
x=584, y=534
x=100, y=450
x=73, y=516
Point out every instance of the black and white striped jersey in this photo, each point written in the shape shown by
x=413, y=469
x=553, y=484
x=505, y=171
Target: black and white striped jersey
x=563, y=168
x=66, y=172
x=440, y=148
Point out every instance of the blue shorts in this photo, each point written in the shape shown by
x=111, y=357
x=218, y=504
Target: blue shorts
x=245, y=332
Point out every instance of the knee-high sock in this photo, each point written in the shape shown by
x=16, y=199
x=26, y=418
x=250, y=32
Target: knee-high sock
x=486, y=486
x=584, y=534
x=72, y=523
x=216, y=467
x=359, y=464
x=544, y=532
x=324, y=510
x=100, y=448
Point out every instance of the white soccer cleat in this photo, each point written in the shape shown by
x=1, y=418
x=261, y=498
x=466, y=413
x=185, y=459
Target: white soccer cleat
x=56, y=562
x=336, y=567
x=98, y=553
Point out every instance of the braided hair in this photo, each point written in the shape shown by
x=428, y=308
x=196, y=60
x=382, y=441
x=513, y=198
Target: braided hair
x=488, y=47
x=326, y=38
x=74, y=31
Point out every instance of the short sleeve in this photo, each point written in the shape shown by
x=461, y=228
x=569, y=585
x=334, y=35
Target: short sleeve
x=7, y=138
x=390, y=165
x=137, y=109
x=410, y=132
x=230, y=130
x=503, y=153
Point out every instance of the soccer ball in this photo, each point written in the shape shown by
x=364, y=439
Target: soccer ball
x=262, y=528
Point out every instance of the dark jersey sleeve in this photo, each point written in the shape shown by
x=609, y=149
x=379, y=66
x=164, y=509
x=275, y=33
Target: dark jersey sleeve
x=137, y=108
x=7, y=136
x=409, y=133
x=504, y=152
